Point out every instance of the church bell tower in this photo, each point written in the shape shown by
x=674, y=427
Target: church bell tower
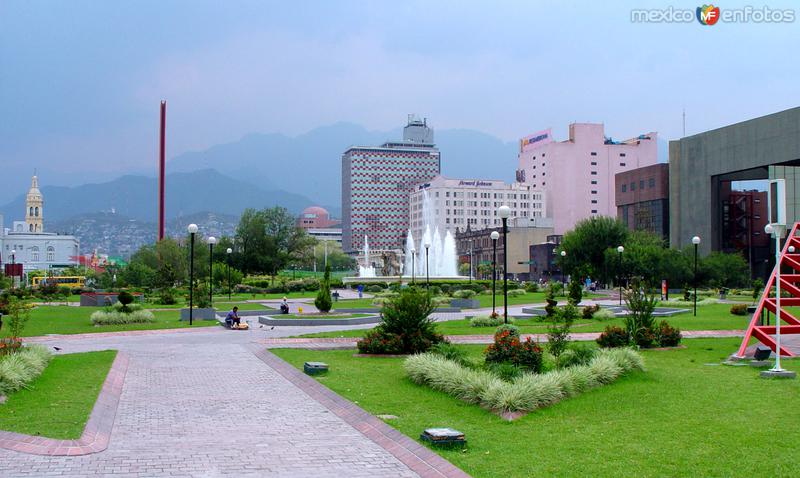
x=33, y=207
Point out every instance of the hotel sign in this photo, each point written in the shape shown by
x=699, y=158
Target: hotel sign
x=535, y=140
x=475, y=183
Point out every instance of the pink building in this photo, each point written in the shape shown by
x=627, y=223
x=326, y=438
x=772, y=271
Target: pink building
x=577, y=175
x=315, y=217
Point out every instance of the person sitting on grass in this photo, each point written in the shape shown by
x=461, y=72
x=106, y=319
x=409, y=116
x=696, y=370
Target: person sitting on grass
x=233, y=318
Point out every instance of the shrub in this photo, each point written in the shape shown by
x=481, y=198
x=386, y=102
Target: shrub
x=667, y=335
x=528, y=391
x=125, y=298
x=550, y=298
x=116, y=317
x=374, y=288
x=532, y=287
x=464, y=294
x=575, y=291
x=508, y=348
x=639, y=322
x=323, y=301
x=604, y=314
x=379, y=342
x=488, y=321
x=18, y=315
x=408, y=318
x=505, y=371
x=739, y=309
x=613, y=336
x=435, y=290
x=558, y=332
x=758, y=288
x=589, y=311
x=576, y=355
x=516, y=293
x=167, y=296
x=20, y=368
x=441, y=301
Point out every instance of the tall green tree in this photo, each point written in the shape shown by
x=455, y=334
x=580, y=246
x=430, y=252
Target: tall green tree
x=586, y=247
x=323, y=300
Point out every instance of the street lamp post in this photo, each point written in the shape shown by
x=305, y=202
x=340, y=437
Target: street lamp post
x=775, y=230
x=696, y=242
x=13, y=268
x=495, y=236
x=211, y=241
x=427, y=268
x=413, y=262
x=620, y=250
x=229, y=251
x=470, y=261
x=192, y=231
x=504, y=212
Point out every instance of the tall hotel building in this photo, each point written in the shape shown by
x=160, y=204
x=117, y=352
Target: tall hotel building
x=376, y=182
x=577, y=175
x=457, y=204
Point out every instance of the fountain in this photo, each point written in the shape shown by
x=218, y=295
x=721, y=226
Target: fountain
x=367, y=270
x=441, y=261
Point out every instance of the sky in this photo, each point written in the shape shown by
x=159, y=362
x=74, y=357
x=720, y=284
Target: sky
x=81, y=81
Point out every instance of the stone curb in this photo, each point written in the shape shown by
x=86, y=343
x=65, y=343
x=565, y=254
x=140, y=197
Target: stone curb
x=97, y=432
x=414, y=455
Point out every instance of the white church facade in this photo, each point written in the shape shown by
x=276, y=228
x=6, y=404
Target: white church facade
x=26, y=242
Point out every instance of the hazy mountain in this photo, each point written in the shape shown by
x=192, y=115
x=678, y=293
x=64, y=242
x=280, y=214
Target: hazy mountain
x=311, y=163
x=135, y=197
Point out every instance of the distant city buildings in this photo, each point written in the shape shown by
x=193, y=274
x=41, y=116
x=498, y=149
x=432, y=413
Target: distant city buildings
x=317, y=223
x=476, y=247
x=577, y=175
x=455, y=204
x=642, y=199
x=26, y=242
x=376, y=181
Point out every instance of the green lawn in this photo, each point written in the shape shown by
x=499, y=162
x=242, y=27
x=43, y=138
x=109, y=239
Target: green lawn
x=709, y=317
x=58, y=403
x=680, y=418
x=61, y=319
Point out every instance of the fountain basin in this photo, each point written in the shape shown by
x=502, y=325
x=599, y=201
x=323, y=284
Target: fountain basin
x=404, y=280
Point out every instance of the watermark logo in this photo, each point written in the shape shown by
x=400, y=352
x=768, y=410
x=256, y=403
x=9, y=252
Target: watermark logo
x=708, y=14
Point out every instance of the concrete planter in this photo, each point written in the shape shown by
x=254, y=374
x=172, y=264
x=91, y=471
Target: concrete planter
x=208, y=313
x=465, y=303
x=277, y=321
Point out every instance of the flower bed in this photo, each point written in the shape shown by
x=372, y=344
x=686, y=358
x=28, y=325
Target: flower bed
x=527, y=392
x=21, y=367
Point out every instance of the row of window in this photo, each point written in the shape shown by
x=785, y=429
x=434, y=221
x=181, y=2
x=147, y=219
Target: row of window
x=651, y=183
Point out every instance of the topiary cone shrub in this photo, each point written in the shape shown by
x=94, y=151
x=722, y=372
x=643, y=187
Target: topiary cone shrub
x=125, y=298
x=323, y=301
x=406, y=327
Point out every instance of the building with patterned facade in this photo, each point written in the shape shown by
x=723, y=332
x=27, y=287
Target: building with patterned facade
x=376, y=182
x=454, y=204
x=642, y=199
x=26, y=243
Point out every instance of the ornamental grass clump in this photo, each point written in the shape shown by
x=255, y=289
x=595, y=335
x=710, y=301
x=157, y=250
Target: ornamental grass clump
x=488, y=321
x=20, y=368
x=527, y=392
x=119, y=314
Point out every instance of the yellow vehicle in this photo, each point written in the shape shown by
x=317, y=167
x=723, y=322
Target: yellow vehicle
x=61, y=281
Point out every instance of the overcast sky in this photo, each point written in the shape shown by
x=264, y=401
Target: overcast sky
x=80, y=81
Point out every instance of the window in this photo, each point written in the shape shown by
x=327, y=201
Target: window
x=594, y=182
x=594, y=191
x=624, y=188
x=622, y=164
x=594, y=211
x=621, y=155
x=594, y=173
x=641, y=184
x=594, y=153
x=51, y=254
x=633, y=186
x=35, y=254
x=651, y=183
x=594, y=163
x=594, y=201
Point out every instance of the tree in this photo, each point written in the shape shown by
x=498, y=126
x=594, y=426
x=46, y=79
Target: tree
x=323, y=300
x=552, y=303
x=758, y=288
x=268, y=240
x=575, y=291
x=719, y=269
x=221, y=275
x=586, y=247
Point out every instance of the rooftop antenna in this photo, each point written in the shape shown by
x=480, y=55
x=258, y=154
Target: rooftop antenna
x=684, y=122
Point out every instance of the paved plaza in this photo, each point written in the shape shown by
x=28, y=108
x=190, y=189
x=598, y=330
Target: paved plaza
x=209, y=402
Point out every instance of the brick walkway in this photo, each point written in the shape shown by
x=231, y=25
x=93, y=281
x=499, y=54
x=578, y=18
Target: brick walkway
x=202, y=404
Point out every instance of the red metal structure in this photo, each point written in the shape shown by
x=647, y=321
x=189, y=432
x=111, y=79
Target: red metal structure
x=162, y=169
x=789, y=283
